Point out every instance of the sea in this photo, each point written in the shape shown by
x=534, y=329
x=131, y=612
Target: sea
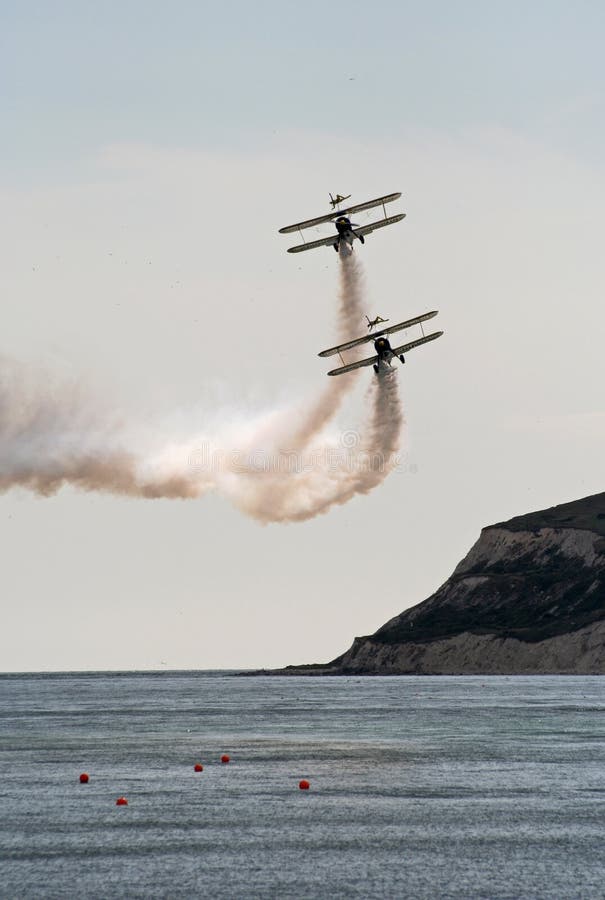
x=419, y=787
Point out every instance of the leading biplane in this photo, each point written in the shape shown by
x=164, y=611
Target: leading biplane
x=384, y=352
x=346, y=230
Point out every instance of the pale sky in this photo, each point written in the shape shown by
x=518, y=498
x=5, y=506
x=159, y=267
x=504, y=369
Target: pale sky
x=149, y=153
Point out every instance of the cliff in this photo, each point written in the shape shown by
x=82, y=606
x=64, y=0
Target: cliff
x=529, y=598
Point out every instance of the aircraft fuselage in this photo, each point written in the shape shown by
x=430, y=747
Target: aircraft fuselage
x=385, y=354
x=345, y=232
x=384, y=350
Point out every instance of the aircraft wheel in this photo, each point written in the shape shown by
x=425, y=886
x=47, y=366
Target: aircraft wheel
x=362, y=239
x=402, y=358
x=375, y=369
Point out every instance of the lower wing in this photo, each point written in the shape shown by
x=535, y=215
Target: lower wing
x=396, y=352
x=355, y=365
x=324, y=242
x=367, y=229
x=423, y=340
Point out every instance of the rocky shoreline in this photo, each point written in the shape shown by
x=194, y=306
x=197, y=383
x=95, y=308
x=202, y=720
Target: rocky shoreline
x=528, y=598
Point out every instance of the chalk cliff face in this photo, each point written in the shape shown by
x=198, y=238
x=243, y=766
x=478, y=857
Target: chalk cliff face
x=529, y=598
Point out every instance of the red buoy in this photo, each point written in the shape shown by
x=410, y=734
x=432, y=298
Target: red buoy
x=121, y=801
x=198, y=767
x=84, y=778
x=224, y=758
x=304, y=785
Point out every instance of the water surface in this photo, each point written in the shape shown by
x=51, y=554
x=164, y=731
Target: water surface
x=420, y=787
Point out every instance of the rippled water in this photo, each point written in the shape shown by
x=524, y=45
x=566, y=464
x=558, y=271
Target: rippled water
x=420, y=787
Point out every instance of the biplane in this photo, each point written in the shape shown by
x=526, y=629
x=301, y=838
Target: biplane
x=372, y=323
x=384, y=352
x=346, y=230
x=338, y=199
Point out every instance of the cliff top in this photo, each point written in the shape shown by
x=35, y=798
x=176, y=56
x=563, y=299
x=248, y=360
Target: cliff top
x=587, y=514
x=532, y=588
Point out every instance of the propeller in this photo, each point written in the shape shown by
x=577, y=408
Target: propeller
x=352, y=224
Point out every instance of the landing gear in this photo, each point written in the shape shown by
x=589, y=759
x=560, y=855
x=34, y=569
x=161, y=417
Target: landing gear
x=375, y=367
x=335, y=247
x=361, y=238
x=402, y=358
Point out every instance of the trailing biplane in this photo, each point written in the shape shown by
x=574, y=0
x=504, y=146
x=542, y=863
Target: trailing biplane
x=384, y=352
x=338, y=199
x=372, y=323
x=346, y=230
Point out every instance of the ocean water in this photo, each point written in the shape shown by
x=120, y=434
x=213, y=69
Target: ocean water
x=420, y=787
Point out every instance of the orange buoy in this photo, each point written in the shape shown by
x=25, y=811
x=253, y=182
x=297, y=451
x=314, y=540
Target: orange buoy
x=224, y=758
x=198, y=767
x=121, y=801
x=84, y=778
x=304, y=785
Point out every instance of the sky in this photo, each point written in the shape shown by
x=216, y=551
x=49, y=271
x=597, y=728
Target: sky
x=150, y=152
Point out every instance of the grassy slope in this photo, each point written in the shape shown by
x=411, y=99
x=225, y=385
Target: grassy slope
x=587, y=514
x=520, y=598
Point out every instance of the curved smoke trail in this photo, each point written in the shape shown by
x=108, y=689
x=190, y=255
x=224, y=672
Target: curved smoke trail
x=53, y=434
x=295, y=428
x=329, y=475
x=285, y=468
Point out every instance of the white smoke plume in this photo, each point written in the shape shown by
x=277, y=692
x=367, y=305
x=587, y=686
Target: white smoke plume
x=295, y=428
x=280, y=468
x=53, y=434
x=328, y=474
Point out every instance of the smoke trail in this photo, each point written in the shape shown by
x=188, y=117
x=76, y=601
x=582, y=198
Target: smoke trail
x=328, y=476
x=302, y=424
x=53, y=434
x=282, y=467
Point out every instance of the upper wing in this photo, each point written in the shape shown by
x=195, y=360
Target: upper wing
x=423, y=340
x=407, y=324
x=370, y=204
x=324, y=242
x=347, y=346
x=366, y=229
x=377, y=334
x=309, y=223
x=355, y=365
